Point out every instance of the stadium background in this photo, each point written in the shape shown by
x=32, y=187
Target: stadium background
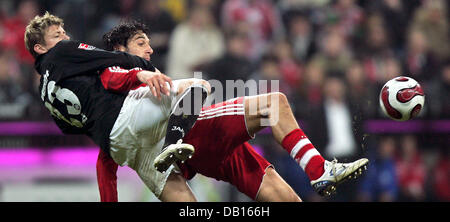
x=319, y=50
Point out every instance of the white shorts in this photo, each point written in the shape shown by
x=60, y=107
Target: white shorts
x=138, y=134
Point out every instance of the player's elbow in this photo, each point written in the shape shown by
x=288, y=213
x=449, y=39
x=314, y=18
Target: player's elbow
x=280, y=98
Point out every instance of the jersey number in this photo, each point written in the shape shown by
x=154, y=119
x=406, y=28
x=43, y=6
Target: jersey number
x=68, y=98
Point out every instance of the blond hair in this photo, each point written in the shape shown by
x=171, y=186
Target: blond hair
x=36, y=28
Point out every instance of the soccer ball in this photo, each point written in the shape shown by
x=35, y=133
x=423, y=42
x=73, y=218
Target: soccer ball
x=402, y=98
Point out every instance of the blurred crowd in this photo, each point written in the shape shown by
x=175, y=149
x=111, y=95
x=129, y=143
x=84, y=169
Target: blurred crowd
x=331, y=58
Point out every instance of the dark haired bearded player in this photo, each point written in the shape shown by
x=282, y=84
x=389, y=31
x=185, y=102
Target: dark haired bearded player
x=221, y=133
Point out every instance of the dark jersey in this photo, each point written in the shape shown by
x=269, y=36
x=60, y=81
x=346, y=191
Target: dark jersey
x=72, y=91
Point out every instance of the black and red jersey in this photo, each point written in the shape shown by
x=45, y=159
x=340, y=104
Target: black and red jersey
x=71, y=88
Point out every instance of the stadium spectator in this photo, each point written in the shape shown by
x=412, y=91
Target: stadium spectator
x=432, y=20
x=234, y=63
x=381, y=183
x=376, y=50
x=261, y=15
x=310, y=93
x=419, y=62
x=339, y=121
x=346, y=15
x=411, y=170
x=179, y=9
x=269, y=69
x=395, y=18
x=331, y=124
x=334, y=54
x=291, y=71
x=193, y=43
x=301, y=36
x=214, y=5
x=439, y=94
x=162, y=24
x=441, y=176
x=361, y=94
x=14, y=29
x=13, y=97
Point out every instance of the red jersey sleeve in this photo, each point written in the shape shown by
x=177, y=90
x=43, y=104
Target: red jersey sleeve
x=107, y=177
x=119, y=80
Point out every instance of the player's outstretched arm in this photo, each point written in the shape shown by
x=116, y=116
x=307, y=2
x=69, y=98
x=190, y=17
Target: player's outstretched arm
x=75, y=58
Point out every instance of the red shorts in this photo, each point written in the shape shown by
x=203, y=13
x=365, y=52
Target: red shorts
x=221, y=150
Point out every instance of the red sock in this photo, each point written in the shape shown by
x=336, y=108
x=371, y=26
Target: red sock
x=297, y=144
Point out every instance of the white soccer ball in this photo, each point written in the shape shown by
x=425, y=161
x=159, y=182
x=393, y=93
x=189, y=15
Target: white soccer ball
x=402, y=98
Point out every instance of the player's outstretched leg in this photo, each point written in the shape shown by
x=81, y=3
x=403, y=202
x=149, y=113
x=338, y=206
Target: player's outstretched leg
x=273, y=110
x=181, y=120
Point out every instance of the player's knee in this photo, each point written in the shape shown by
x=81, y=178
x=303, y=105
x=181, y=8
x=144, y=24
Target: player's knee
x=280, y=99
x=206, y=85
x=188, y=83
